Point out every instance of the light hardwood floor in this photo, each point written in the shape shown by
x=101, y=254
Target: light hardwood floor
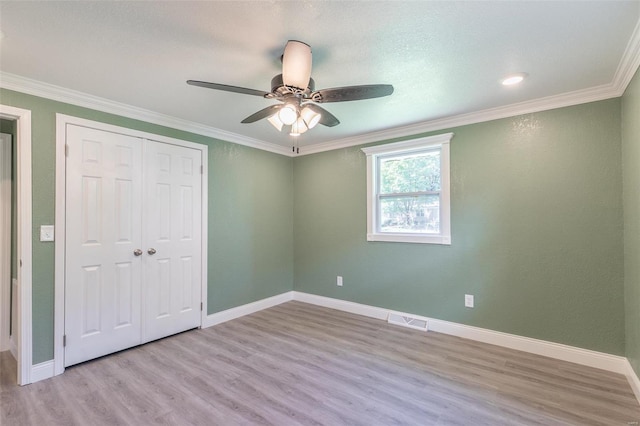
x=298, y=364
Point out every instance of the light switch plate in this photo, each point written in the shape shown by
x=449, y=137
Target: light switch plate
x=46, y=233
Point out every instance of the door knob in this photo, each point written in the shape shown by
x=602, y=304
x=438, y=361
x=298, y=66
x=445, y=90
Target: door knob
x=137, y=252
x=151, y=251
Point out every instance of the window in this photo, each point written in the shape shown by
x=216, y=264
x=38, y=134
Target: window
x=408, y=191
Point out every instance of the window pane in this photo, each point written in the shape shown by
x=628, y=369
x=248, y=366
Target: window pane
x=410, y=173
x=410, y=214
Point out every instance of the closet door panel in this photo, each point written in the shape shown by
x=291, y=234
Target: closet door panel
x=173, y=240
x=103, y=217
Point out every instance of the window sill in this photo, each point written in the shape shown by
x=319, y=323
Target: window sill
x=410, y=238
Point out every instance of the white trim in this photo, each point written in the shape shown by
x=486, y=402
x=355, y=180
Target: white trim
x=408, y=145
x=627, y=68
x=59, y=244
x=603, y=361
x=629, y=63
x=42, y=371
x=598, y=93
x=98, y=125
x=559, y=351
x=248, y=309
x=342, y=305
x=5, y=239
x=62, y=121
x=13, y=344
x=578, y=97
x=374, y=154
x=74, y=97
x=633, y=380
x=204, y=231
x=23, y=174
x=13, y=349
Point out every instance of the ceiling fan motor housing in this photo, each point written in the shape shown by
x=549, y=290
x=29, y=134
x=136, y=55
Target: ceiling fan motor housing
x=278, y=87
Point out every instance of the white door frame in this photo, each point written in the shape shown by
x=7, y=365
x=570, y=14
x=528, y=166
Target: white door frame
x=23, y=195
x=59, y=279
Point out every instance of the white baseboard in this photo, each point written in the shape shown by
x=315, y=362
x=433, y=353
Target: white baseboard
x=616, y=364
x=342, y=305
x=42, y=371
x=633, y=380
x=249, y=308
x=12, y=347
x=13, y=344
x=603, y=361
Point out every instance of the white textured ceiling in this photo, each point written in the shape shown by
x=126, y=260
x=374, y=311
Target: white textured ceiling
x=443, y=58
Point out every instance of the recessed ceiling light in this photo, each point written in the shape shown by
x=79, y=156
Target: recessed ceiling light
x=512, y=79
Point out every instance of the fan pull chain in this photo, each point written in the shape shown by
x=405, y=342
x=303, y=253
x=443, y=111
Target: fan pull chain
x=295, y=148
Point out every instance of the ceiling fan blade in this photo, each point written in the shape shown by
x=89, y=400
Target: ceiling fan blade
x=227, y=88
x=352, y=93
x=326, y=119
x=296, y=64
x=263, y=113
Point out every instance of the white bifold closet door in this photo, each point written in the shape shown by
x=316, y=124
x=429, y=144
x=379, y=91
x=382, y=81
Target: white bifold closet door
x=172, y=211
x=133, y=242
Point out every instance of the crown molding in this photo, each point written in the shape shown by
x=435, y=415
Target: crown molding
x=593, y=94
x=73, y=97
x=629, y=64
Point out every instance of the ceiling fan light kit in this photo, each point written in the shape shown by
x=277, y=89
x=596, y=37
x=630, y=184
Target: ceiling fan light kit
x=288, y=114
x=276, y=122
x=298, y=127
x=310, y=117
x=296, y=90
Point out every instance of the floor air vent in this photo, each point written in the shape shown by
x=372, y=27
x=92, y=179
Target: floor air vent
x=407, y=321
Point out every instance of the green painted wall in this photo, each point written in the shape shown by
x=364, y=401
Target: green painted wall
x=536, y=228
x=631, y=185
x=250, y=239
x=537, y=225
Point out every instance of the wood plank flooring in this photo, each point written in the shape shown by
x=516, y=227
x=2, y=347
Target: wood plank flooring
x=299, y=364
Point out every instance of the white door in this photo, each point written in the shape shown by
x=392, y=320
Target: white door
x=103, y=223
x=133, y=242
x=172, y=212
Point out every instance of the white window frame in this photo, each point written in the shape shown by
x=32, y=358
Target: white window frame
x=373, y=153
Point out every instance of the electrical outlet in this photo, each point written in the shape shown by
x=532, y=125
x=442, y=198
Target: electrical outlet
x=339, y=281
x=468, y=300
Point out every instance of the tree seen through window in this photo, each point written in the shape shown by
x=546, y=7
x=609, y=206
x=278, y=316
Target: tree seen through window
x=409, y=192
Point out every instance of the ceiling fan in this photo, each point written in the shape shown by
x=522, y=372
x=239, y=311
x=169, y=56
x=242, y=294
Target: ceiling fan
x=295, y=89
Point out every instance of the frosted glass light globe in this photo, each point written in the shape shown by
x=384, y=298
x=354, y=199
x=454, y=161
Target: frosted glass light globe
x=288, y=115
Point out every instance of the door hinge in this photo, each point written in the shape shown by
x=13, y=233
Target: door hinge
x=66, y=150
x=201, y=306
x=64, y=340
x=201, y=169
